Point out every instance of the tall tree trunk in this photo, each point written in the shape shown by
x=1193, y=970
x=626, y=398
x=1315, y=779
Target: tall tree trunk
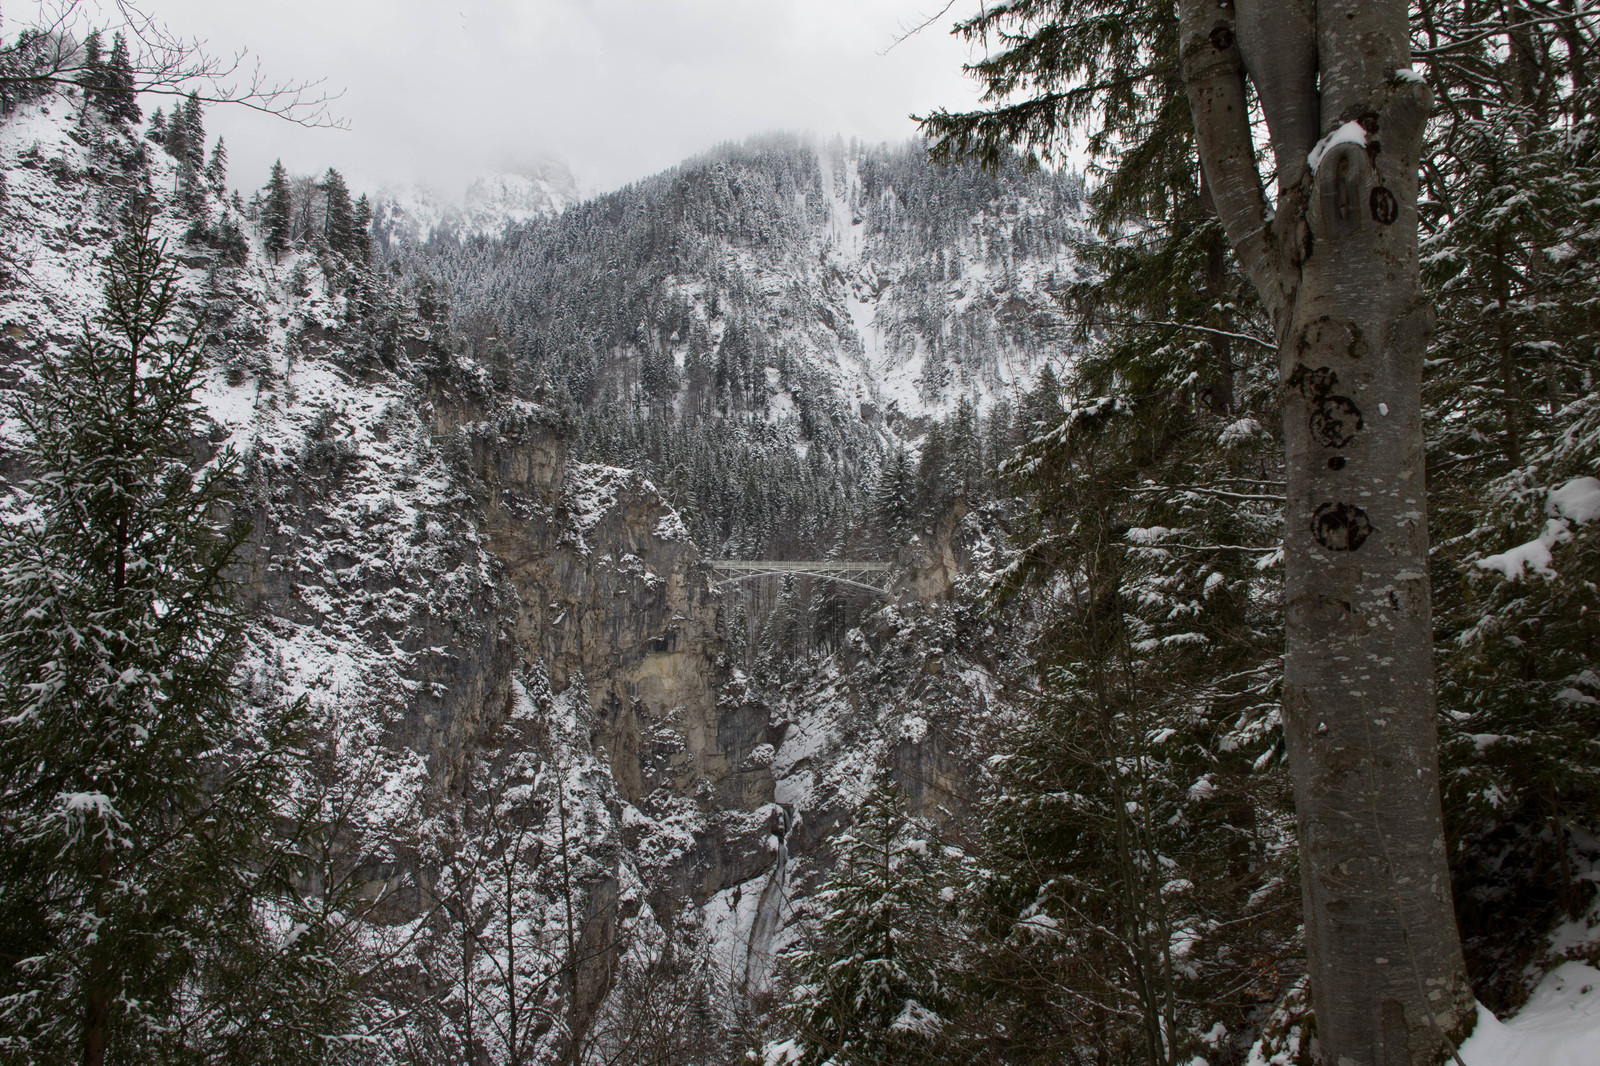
x=97, y=996
x=1336, y=264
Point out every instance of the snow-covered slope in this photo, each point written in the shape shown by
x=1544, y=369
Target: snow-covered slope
x=855, y=283
x=1559, y=1025
x=489, y=204
x=481, y=629
x=496, y=641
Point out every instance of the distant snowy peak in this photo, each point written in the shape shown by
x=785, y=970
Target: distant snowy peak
x=494, y=202
x=489, y=205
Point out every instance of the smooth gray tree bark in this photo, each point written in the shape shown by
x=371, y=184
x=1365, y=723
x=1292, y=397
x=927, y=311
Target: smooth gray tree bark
x=1335, y=260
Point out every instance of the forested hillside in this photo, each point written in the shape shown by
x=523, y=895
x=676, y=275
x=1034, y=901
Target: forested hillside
x=759, y=328
x=371, y=692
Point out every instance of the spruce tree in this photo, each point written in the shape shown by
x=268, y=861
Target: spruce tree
x=132, y=816
x=175, y=136
x=1138, y=799
x=121, y=96
x=1509, y=249
x=194, y=132
x=276, y=212
x=92, y=76
x=338, y=226
x=1333, y=260
x=867, y=989
x=217, y=167
x=894, y=497
x=361, y=230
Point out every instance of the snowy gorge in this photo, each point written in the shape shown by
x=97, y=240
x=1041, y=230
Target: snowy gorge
x=577, y=788
x=484, y=626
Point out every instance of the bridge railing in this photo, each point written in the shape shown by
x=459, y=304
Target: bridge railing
x=782, y=566
x=844, y=571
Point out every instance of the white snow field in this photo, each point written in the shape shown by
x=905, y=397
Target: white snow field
x=1559, y=1026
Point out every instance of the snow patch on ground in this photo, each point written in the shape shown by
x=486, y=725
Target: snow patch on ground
x=1559, y=1026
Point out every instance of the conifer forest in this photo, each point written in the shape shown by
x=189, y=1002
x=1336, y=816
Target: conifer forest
x=1112, y=579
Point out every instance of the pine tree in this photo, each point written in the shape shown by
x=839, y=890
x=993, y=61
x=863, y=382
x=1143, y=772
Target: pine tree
x=175, y=136
x=121, y=95
x=787, y=629
x=933, y=475
x=194, y=133
x=867, y=989
x=1138, y=797
x=894, y=503
x=1509, y=245
x=157, y=132
x=337, y=225
x=184, y=141
x=277, y=212
x=217, y=167
x=92, y=76
x=132, y=819
x=361, y=230
x=1195, y=69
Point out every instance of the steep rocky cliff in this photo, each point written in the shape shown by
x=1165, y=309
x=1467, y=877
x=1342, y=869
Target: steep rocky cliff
x=512, y=658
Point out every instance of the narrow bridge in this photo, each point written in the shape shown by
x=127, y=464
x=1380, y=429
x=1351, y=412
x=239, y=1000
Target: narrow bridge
x=873, y=577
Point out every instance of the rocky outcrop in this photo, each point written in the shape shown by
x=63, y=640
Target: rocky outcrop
x=612, y=595
x=932, y=561
x=506, y=655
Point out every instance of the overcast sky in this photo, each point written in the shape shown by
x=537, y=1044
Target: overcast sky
x=439, y=90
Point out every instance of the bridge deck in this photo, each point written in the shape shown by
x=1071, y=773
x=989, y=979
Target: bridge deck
x=839, y=570
x=785, y=566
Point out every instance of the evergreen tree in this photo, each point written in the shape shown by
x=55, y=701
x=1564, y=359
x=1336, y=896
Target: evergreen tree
x=966, y=451
x=193, y=142
x=1194, y=71
x=277, y=212
x=122, y=102
x=1510, y=238
x=184, y=141
x=361, y=230
x=338, y=227
x=157, y=131
x=217, y=168
x=933, y=475
x=787, y=629
x=92, y=76
x=867, y=987
x=175, y=137
x=133, y=817
x=894, y=498
x=1139, y=799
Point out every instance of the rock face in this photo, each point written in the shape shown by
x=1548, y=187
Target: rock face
x=931, y=563
x=611, y=596
x=508, y=656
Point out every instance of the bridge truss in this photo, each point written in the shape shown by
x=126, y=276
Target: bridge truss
x=874, y=577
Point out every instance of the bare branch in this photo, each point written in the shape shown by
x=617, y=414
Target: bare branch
x=1497, y=29
x=918, y=28
x=47, y=56
x=1269, y=345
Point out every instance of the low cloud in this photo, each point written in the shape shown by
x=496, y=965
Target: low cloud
x=436, y=92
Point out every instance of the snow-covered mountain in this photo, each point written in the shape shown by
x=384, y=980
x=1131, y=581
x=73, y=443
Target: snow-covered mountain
x=762, y=327
x=488, y=205
x=491, y=636
x=791, y=274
